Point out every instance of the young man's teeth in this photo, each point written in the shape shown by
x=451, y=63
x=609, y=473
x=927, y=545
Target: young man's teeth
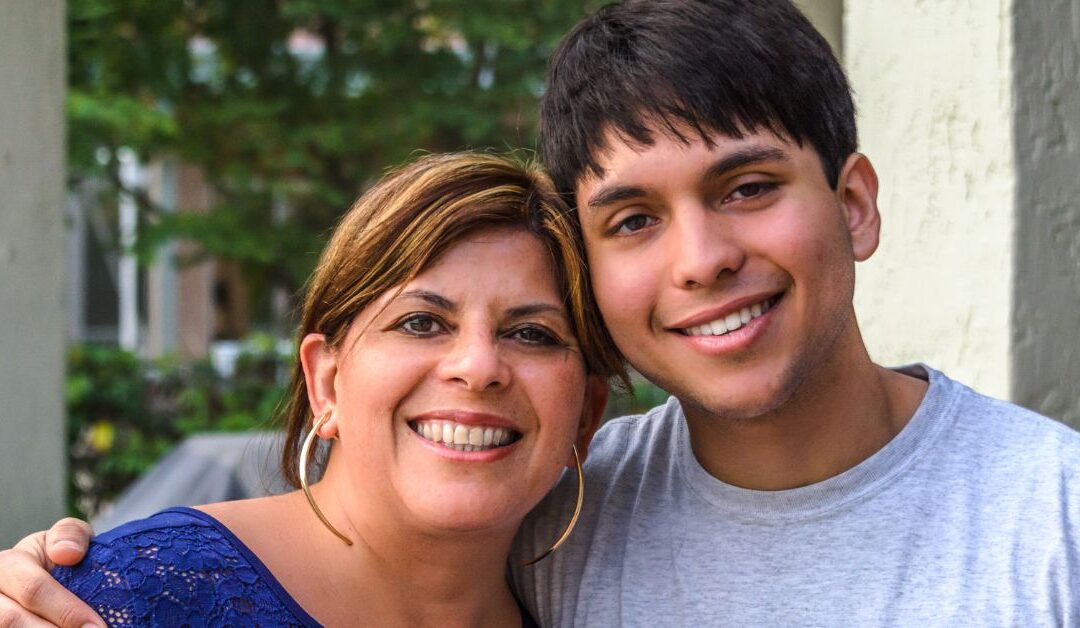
x=731, y=322
x=463, y=437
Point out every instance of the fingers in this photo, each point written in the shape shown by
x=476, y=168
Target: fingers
x=29, y=594
x=14, y=616
x=67, y=540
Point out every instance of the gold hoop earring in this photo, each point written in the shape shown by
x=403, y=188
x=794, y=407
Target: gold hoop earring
x=304, y=451
x=573, y=520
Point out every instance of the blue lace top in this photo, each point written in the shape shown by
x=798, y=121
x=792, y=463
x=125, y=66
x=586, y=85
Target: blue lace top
x=182, y=567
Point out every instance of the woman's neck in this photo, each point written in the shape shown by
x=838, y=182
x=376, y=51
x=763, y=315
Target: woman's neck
x=391, y=575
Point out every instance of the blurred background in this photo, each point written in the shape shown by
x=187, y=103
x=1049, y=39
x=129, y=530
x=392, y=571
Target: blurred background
x=169, y=171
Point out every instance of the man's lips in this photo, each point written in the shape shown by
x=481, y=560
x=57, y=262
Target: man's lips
x=727, y=318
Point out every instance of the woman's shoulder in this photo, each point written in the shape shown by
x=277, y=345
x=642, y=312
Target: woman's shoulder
x=180, y=566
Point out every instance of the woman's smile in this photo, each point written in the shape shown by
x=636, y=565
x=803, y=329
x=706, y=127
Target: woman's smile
x=464, y=431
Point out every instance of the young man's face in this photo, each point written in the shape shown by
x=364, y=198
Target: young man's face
x=726, y=274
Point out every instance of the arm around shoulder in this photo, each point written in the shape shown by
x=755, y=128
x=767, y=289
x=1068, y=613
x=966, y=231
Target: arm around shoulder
x=29, y=595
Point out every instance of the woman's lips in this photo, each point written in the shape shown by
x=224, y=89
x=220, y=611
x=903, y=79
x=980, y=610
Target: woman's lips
x=462, y=437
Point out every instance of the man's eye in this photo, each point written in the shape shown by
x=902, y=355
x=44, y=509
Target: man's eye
x=637, y=222
x=750, y=190
x=534, y=336
x=421, y=325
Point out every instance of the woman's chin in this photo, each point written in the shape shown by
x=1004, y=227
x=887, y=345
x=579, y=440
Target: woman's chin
x=463, y=511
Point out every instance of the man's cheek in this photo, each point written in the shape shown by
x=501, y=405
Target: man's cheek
x=625, y=294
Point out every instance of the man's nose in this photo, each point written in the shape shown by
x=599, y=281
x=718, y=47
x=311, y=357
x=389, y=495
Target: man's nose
x=702, y=247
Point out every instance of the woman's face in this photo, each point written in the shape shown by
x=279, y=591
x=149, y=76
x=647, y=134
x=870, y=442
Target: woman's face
x=457, y=398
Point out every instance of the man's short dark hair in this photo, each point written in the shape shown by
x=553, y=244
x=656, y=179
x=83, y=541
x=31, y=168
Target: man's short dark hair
x=692, y=67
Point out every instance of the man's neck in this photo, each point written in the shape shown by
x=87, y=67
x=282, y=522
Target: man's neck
x=840, y=416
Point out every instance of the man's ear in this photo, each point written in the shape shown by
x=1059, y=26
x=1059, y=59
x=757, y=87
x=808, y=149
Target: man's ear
x=596, y=396
x=857, y=192
x=319, y=362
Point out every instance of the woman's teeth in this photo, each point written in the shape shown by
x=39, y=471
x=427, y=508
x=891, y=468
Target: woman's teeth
x=464, y=437
x=732, y=321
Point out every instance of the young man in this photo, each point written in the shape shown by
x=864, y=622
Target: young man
x=709, y=147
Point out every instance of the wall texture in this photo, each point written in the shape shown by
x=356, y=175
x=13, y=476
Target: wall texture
x=1046, y=317
x=828, y=17
x=934, y=91
x=32, y=320
x=971, y=111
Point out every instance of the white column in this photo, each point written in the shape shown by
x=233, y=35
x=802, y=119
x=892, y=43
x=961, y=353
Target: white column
x=162, y=285
x=970, y=109
x=128, y=271
x=77, y=233
x=32, y=247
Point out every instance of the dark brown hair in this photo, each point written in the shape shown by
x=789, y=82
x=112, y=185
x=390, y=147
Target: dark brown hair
x=405, y=222
x=691, y=69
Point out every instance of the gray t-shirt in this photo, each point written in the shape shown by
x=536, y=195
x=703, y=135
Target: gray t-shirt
x=970, y=516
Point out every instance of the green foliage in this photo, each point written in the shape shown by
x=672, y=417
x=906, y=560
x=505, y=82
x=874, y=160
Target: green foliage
x=644, y=396
x=297, y=102
x=124, y=413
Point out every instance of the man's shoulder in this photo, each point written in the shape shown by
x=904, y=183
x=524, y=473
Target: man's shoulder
x=632, y=440
x=1004, y=425
x=1009, y=441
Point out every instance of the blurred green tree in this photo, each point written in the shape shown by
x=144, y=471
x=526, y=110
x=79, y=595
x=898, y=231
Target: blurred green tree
x=296, y=103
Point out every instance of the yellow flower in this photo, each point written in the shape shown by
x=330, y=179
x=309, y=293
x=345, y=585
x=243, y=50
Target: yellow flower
x=101, y=436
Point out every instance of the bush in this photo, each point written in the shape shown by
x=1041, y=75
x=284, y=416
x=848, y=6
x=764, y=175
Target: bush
x=124, y=413
x=644, y=396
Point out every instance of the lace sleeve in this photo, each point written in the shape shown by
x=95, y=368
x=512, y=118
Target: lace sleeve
x=175, y=575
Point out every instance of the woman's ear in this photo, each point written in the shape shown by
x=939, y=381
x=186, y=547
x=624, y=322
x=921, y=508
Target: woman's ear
x=857, y=191
x=596, y=396
x=320, y=366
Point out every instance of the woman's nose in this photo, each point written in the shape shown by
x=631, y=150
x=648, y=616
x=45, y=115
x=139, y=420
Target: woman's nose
x=476, y=363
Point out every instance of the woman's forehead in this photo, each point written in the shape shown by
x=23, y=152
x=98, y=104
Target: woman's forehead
x=505, y=261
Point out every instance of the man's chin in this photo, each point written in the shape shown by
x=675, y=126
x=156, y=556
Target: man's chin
x=758, y=399
x=739, y=411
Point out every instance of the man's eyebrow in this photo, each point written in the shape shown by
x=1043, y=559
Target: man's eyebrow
x=614, y=194
x=744, y=157
x=433, y=298
x=727, y=163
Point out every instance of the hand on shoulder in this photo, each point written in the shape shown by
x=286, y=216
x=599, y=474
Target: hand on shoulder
x=29, y=595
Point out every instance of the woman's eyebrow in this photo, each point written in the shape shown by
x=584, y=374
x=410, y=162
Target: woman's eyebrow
x=433, y=298
x=532, y=309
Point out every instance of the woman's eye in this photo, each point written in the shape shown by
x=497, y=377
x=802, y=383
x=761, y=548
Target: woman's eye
x=750, y=190
x=534, y=336
x=421, y=325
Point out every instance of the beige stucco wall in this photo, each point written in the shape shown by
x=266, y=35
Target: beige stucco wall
x=32, y=319
x=828, y=17
x=933, y=87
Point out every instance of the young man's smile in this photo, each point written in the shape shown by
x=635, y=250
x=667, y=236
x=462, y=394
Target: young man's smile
x=725, y=272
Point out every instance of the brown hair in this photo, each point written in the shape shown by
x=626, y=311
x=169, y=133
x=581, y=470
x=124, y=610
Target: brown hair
x=405, y=222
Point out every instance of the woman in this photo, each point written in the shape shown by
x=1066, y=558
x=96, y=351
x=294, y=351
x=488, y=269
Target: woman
x=452, y=359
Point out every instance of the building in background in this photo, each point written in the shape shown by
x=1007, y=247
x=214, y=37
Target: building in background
x=177, y=305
